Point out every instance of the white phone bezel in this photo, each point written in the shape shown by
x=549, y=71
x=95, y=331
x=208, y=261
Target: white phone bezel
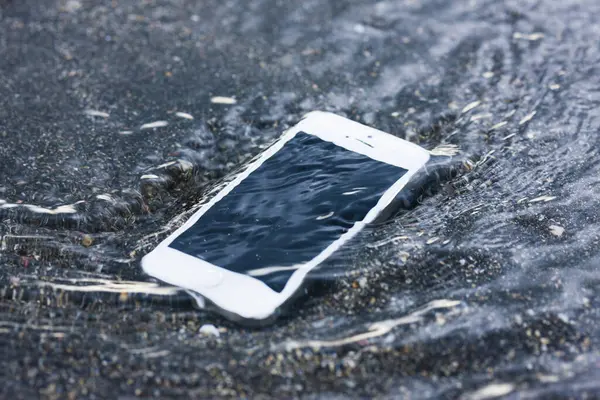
x=247, y=297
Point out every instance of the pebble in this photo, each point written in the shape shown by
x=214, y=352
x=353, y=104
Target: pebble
x=556, y=230
x=66, y=209
x=209, y=330
x=223, y=100
x=184, y=115
x=498, y=125
x=542, y=198
x=87, y=241
x=531, y=36
x=106, y=197
x=433, y=240
x=155, y=124
x=527, y=118
x=471, y=106
x=492, y=391
x=96, y=113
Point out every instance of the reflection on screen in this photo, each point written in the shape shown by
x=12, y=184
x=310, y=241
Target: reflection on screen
x=298, y=202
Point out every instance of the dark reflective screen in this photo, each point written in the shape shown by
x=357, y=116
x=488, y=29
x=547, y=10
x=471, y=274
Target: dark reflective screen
x=291, y=208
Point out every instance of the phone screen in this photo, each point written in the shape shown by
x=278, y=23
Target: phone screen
x=287, y=211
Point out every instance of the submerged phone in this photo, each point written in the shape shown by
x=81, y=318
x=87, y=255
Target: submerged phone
x=248, y=250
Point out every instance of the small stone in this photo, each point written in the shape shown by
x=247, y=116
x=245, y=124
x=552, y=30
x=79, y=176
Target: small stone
x=556, y=230
x=470, y=106
x=440, y=319
x=184, y=115
x=527, y=118
x=209, y=330
x=498, y=125
x=433, y=240
x=492, y=391
x=87, y=241
x=531, y=36
x=155, y=124
x=72, y=6
x=97, y=113
x=223, y=100
x=149, y=176
x=542, y=198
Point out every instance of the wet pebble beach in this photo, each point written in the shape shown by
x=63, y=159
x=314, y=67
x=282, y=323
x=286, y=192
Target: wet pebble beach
x=117, y=117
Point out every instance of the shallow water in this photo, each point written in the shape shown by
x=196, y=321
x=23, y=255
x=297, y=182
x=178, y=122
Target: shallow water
x=486, y=288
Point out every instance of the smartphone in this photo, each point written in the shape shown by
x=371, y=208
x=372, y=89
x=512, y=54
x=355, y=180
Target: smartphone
x=248, y=250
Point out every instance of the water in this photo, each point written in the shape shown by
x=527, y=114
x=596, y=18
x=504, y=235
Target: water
x=488, y=287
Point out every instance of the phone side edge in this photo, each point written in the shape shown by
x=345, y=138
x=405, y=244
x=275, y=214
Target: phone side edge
x=385, y=201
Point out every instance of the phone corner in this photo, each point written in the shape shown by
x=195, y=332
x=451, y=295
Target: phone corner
x=417, y=158
x=426, y=157
x=147, y=262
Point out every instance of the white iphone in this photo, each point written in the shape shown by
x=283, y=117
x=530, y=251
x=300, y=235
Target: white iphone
x=248, y=250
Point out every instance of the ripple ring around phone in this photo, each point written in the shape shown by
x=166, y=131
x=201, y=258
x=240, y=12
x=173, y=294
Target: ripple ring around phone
x=248, y=250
